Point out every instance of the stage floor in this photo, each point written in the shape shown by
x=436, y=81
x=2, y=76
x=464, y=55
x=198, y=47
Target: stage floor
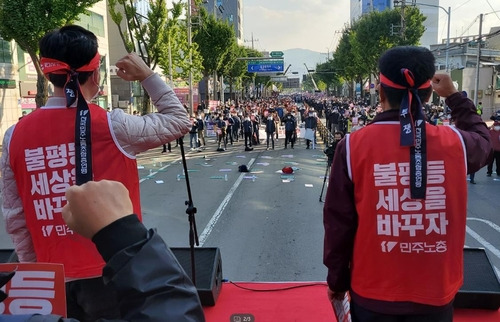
x=293, y=301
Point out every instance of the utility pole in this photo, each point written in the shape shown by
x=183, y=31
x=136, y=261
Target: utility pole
x=478, y=59
x=190, y=45
x=403, y=22
x=252, y=41
x=215, y=71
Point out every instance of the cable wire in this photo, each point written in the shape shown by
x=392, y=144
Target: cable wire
x=277, y=289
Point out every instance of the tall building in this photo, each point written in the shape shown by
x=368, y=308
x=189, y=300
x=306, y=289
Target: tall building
x=362, y=7
x=429, y=8
x=230, y=11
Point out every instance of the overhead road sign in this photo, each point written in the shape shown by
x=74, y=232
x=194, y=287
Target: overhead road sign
x=276, y=54
x=265, y=66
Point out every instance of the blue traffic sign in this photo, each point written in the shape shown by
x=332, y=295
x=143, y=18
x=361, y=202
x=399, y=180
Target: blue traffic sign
x=265, y=66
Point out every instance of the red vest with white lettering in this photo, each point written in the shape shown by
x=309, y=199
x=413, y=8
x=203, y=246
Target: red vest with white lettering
x=407, y=249
x=42, y=156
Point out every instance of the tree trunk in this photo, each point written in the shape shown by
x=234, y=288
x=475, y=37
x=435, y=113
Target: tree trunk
x=146, y=103
x=207, y=95
x=42, y=83
x=42, y=87
x=231, y=88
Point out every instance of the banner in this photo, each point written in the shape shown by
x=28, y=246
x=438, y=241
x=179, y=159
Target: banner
x=35, y=288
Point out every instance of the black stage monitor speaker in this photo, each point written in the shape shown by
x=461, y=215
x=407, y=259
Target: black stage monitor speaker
x=481, y=288
x=8, y=256
x=208, y=268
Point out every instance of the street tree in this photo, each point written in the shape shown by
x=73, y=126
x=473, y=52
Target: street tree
x=249, y=79
x=308, y=84
x=215, y=38
x=347, y=66
x=174, y=60
x=327, y=73
x=238, y=67
x=361, y=45
x=375, y=33
x=27, y=21
x=143, y=34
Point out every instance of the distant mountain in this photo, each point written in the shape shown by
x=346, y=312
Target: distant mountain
x=297, y=57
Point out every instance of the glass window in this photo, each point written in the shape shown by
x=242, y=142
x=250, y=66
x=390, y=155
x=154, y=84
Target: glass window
x=93, y=22
x=5, y=52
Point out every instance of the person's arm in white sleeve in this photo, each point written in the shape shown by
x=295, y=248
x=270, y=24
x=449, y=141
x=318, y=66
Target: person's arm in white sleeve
x=12, y=207
x=136, y=134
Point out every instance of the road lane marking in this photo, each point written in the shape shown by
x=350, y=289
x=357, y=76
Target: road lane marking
x=211, y=224
x=483, y=242
x=489, y=223
x=156, y=171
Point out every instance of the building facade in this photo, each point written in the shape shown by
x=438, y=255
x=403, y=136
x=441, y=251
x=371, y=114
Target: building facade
x=462, y=64
x=230, y=11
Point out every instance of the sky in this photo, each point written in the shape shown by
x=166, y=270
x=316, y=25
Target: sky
x=317, y=24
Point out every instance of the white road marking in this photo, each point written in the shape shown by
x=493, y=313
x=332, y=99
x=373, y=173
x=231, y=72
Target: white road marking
x=483, y=242
x=211, y=224
x=489, y=223
x=156, y=171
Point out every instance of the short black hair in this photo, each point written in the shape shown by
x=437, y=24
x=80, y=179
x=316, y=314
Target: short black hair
x=73, y=45
x=419, y=60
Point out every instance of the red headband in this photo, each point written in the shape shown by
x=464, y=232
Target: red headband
x=409, y=78
x=54, y=66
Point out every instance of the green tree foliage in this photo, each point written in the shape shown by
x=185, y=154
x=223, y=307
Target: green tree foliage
x=248, y=79
x=27, y=21
x=343, y=60
x=147, y=35
x=321, y=85
x=235, y=72
x=174, y=60
x=262, y=80
x=327, y=73
x=308, y=85
x=361, y=45
x=373, y=34
x=215, y=39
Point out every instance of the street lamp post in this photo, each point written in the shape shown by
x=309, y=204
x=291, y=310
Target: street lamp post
x=478, y=59
x=448, y=12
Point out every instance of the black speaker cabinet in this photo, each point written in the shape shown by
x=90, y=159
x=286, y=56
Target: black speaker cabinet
x=481, y=288
x=8, y=256
x=208, y=268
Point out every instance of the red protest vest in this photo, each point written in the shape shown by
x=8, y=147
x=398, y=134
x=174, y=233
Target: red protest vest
x=42, y=157
x=407, y=249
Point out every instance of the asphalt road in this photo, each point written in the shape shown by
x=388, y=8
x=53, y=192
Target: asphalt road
x=268, y=227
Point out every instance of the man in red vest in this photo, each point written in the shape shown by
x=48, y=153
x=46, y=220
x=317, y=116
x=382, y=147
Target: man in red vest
x=495, y=143
x=71, y=141
x=395, y=209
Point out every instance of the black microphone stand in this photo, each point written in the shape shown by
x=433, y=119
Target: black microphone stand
x=328, y=166
x=190, y=211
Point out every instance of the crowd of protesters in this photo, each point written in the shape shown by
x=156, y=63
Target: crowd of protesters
x=233, y=121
